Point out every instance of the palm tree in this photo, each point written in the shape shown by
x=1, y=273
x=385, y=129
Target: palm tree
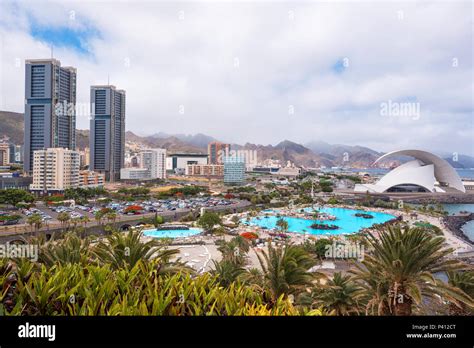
x=35, y=220
x=111, y=216
x=285, y=269
x=85, y=220
x=464, y=281
x=69, y=250
x=234, y=250
x=124, y=250
x=227, y=271
x=64, y=218
x=339, y=296
x=98, y=216
x=398, y=274
x=282, y=224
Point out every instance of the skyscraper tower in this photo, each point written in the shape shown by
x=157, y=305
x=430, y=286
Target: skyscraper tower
x=107, y=131
x=50, y=107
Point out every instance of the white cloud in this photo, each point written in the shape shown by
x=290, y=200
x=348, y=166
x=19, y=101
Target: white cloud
x=238, y=67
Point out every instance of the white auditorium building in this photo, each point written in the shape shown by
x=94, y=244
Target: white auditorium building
x=426, y=172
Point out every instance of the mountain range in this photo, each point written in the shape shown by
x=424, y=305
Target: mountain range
x=312, y=154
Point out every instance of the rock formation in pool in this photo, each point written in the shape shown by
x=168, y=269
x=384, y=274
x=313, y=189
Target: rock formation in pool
x=364, y=215
x=316, y=226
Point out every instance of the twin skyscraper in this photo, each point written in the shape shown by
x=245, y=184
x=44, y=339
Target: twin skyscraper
x=50, y=117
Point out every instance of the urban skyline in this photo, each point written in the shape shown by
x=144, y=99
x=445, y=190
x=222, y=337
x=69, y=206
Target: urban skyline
x=237, y=158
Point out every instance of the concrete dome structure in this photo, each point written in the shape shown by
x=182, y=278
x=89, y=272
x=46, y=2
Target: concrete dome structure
x=427, y=172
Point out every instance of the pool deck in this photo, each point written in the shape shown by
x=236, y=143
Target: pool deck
x=200, y=257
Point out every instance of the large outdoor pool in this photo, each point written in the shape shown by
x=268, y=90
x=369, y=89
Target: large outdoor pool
x=346, y=221
x=172, y=233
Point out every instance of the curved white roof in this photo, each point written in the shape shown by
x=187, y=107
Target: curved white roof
x=427, y=170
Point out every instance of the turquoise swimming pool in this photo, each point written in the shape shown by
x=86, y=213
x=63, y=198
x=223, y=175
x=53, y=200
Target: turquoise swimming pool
x=172, y=233
x=346, y=221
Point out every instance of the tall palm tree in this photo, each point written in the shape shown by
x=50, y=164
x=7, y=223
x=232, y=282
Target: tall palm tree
x=339, y=296
x=98, y=216
x=85, y=220
x=64, y=218
x=124, y=250
x=399, y=272
x=285, y=269
x=35, y=220
x=111, y=216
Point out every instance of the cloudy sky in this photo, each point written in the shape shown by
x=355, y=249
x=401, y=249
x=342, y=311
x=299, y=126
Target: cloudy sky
x=387, y=74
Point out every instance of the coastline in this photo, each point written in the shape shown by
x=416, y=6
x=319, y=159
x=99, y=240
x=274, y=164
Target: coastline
x=455, y=222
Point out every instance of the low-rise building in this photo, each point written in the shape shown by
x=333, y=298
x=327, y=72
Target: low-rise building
x=13, y=180
x=55, y=170
x=468, y=185
x=135, y=174
x=89, y=178
x=288, y=171
x=178, y=162
x=208, y=170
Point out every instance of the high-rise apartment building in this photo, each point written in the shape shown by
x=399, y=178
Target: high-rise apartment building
x=50, y=107
x=217, y=151
x=155, y=161
x=55, y=170
x=107, y=131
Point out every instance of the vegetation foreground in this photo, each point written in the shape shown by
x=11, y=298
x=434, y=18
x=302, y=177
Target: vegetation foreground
x=122, y=275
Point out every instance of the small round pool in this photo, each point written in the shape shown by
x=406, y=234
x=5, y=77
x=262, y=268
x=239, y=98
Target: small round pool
x=172, y=233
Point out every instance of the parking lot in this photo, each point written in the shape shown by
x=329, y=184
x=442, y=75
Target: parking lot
x=49, y=214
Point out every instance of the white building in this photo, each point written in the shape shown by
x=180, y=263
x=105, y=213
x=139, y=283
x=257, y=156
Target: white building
x=288, y=171
x=55, y=169
x=155, y=161
x=179, y=161
x=135, y=174
x=426, y=173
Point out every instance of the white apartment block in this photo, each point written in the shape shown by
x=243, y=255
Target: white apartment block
x=55, y=169
x=155, y=161
x=134, y=174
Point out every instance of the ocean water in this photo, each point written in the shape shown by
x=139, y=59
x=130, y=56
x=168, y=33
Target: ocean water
x=463, y=173
x=457, y=208
x=468, y=230
x=346, y=220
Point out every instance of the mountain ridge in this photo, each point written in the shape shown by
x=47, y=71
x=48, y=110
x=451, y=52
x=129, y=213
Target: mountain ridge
x=310, y=154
